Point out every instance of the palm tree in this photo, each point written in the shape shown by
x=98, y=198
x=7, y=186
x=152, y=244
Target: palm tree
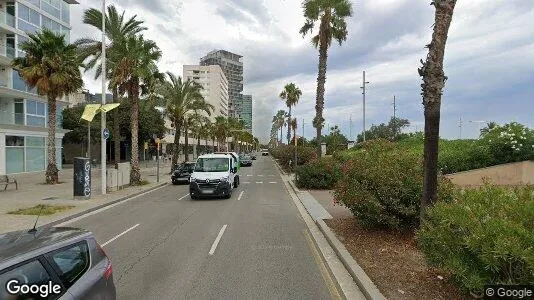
x=222, y=130
x=235, y=126
x=117, y=28
x=53, y=66
x=194, y=119
x=294, y=127
x=489, y=126
x=433, y=82
x=136, y=60
x=291, y=95
x=331, y=14
x=182, y=98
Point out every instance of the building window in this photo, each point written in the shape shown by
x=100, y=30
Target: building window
x=14, y=154
x=52, y=7
x=35, y=154
x=35, y=113
x=21, y=39
x=52, y=25
x=29, y=20
x=65, y=12
x=20, y=84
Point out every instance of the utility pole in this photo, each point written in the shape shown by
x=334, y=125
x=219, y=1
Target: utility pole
x=460, y=125
x=89, y=141
x=394, y=107
x=303, y=128
x=350, y=127
x=363, y=93
x=103, y=114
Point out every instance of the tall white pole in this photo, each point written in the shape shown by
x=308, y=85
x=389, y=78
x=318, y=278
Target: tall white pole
x=103, y=114
x=363, y=88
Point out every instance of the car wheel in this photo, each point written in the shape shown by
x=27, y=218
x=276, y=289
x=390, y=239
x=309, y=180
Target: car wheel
x=228, y=196
x=193, y=197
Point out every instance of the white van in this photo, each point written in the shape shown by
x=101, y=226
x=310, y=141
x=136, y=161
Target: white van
x=215, y=175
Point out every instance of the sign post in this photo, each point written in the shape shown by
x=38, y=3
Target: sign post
x=144, y=153
x=157, y=159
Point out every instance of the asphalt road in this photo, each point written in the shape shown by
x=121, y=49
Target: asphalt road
x=163, y=245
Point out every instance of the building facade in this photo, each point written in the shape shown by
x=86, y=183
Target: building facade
x=23, y=113
x=232, y=66
x=214, y=84
x=244, y=111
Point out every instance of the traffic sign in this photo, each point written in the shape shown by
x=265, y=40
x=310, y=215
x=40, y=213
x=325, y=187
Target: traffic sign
x=106, y=133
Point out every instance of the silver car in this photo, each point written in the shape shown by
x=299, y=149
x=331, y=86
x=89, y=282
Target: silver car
x=54, y=263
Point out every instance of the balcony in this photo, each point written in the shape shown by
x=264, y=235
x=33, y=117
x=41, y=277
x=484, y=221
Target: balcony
x=7, y=21
x=11, y=118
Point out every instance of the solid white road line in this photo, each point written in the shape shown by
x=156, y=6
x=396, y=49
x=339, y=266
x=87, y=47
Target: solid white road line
x=260, y=175
x=249, y=175
x=106, y=207
x=240, y=195
x=217, y=240
x=272, y=182
x=120, y=234
x=183, y=197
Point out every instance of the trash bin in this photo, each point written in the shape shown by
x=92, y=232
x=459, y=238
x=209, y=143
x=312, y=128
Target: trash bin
x=82, y=178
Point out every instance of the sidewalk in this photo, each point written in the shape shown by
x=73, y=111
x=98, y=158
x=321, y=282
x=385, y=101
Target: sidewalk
x=33, y=192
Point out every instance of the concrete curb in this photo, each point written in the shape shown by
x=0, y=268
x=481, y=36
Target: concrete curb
x=76, y=215
x=363, y=281
x=365, y=284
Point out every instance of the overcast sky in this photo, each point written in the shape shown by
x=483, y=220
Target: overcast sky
x=489, y=57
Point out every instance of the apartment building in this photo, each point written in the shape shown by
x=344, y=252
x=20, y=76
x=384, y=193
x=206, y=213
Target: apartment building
x=214, y=84
x=244, y=111
x=23, y=113
x=232, y=66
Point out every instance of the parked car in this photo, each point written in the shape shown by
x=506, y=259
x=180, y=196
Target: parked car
x=264, y=152
x=215, y=175
x=63, y=262
x=182, y=173
x=246, y=161
x=253, y=156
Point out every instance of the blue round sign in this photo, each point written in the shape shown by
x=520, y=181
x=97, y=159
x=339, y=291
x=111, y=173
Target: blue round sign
x=106, y=133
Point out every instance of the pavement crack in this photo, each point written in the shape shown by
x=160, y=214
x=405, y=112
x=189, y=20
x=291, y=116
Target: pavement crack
x=156, y=245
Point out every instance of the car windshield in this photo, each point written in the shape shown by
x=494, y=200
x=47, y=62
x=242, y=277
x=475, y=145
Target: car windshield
x=212, y=165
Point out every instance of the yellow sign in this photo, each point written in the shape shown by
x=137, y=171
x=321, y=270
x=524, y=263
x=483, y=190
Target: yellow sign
x=146, y=146
x=91, y=110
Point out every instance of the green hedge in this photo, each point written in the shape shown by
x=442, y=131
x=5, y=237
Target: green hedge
x=503, y=144
x=286, y=153
x=485, y=236
x=382, y=186
x=318, y=174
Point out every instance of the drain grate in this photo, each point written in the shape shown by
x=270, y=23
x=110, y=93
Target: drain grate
x=50, y=198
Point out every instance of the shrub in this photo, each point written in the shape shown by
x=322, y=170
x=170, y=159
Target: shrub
x=485, y=236
x=318, y=174
x=384, y=188
x=512, y=142
x=285, y=154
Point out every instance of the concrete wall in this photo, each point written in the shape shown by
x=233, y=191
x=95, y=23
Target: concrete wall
x=520, y=173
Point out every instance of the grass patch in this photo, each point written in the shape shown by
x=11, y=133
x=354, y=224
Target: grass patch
x=144, y=182
x=41, y=209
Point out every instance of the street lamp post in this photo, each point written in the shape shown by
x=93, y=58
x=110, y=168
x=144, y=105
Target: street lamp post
x=103, y=115
x=363, y=88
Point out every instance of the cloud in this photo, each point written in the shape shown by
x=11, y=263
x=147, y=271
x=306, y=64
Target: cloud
x=489, y=57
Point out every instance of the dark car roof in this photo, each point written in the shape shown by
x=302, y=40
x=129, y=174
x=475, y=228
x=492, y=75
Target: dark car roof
x=20, y=242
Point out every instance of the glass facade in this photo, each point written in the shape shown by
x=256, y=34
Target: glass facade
x=28, y=154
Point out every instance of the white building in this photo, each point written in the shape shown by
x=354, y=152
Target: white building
x=215, y=86
x=24, y=114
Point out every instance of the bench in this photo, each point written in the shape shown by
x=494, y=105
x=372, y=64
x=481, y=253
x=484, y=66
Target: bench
x=7, y=181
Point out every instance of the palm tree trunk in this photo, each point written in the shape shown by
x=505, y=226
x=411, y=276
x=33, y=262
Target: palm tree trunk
x=116, y=130
x=176, y=146
x=186, y=150
x=135, y=172
x=433, y=83
x=289, y=127
x=51, y=169
x=321, y=78
x=281, y=133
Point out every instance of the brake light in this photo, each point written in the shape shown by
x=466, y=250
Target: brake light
x=109, y=269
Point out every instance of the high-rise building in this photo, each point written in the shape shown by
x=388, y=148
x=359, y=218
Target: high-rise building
x=232, y=66
x=214, y=84
x=23, y=113
x=244, y=111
